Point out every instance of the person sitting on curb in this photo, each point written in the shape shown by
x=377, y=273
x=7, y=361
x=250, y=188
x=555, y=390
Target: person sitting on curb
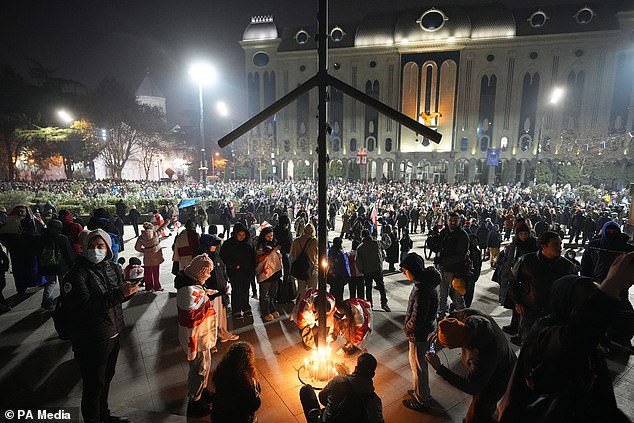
x=349, y=398
x=486, y=354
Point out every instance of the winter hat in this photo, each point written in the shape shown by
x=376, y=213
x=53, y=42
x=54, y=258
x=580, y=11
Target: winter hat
x=134, y=261
x=414, y=263
x=452, y=333
x=200, y=268
x=54, y=226
x=337, y=243
x=148, y=225
x=209, y=240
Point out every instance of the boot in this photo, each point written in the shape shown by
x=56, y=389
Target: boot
x=513, y=327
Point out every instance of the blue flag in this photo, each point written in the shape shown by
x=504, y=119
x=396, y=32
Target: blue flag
x=493, y=156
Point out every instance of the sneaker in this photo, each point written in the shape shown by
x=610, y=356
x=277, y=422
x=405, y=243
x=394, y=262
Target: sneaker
x=412, y=404
x=267, y=318
x=275, y=314
x=254, y=296
x=197, y=409
x=510, y=329
x=238, y=316
x=386, y=307
x=248, y=314
x=231, y=337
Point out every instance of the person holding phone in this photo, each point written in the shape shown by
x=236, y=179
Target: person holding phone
x=486, y=355
x=420, y=321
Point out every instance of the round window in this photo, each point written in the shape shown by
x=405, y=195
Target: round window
x=578, y=52
x=373, y=64
x=584, y=16
x=490, y=58
x=302, y=37
x=260, y=59
x=538, y=19
x=432, y=20
x=302, y=68
x=337, y=66
x=337, y=34
x=533, y=55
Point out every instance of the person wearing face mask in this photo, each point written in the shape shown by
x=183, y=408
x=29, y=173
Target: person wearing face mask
x=595, y=263
x=94, y=289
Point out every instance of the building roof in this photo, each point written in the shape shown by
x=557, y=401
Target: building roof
x=148, y=88
x=260, y=28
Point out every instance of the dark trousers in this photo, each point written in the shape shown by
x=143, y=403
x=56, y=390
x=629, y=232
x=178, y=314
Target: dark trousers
x=310, y=404
x=337, y=285
x=97, y=365
x=240, y=283
x=135, y=226
x=356, y=286
x=380, y=286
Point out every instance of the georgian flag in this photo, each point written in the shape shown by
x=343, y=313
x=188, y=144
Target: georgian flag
x=197, y=320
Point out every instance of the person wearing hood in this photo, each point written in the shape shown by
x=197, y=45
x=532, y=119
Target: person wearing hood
x=486, y=355
x=101, y=220
x=238, y=256
x=94, y=289
x=71, y=229
x=149, y=244
x=185, y=245
x=561, y=375
x=210, y=245
x=595, y=263
x=197, y=330
x=55, y=257
x=306, y=244
x=20, y=234
x=420, y=321
x=268, y=271
x=349, y=398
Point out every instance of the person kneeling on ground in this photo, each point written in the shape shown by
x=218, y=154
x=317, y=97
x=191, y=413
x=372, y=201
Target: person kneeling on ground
x=197, y=330
x=353, y=320
x=348, y=398
x=486, y=355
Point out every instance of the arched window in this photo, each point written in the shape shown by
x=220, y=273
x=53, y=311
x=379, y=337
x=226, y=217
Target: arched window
x=464, y=144
x=353, y=144
x=388, y=144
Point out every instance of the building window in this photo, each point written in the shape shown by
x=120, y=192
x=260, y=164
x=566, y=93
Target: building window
x=302, y=37
x=287, y=146
x=584, y=15
x=370, y=142
x=464, y=144
x=432, y=20
x=484, y=143
x=337, y=34
x=353, y=144
x=260, y=59
x=388, y=144
x=538, y=19
x=504, y=143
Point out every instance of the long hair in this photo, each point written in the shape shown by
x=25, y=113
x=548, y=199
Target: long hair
x=236, y=369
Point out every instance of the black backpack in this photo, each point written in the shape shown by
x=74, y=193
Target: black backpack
x=63, y=318
x=301, y=268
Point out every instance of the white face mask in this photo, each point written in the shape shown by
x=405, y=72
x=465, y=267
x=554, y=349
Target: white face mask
x=95, y=256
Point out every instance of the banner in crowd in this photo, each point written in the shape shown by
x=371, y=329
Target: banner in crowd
x=493, y=157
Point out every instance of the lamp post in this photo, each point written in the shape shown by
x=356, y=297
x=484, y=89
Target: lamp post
x=555, y=96
x=223, y=110
x=202, y=74
x=213, y=163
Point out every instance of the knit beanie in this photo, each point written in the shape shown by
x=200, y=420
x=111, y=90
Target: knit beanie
x=200, y=268
x=452, y=333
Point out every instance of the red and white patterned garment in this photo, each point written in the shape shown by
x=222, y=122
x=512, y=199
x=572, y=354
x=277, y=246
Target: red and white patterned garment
x=362, y=320
x=197, y=320
x=307, y=310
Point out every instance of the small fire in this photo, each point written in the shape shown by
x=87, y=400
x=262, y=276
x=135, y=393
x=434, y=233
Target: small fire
x=320, y=366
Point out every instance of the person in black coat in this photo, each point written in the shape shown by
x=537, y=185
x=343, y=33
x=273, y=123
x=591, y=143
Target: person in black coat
x=239, y=257
x=391, y=252
x=55, y=257
x=282, y=232
x=532, y=278
x=94, y=290
x=134, y=215
x=561, y=376
x=420, y=321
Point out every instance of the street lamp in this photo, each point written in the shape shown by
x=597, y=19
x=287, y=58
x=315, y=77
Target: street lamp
x=223, y=110
x=202, y=74
x=65, y=117
x=213, y=163
x=555, y=96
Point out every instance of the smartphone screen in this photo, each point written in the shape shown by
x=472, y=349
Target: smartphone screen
x=432, y=347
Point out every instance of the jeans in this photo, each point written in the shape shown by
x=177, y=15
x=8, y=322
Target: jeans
x=420, y=372
x=380, y=286
x=268, y=290
x=445, y=286
x=97, y=364
x=240, y=291
x=49, y=289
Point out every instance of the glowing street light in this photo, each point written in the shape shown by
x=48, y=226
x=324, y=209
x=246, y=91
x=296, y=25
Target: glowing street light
x=65, y=117
x=223, y=109
x=203, y=74
x=555, y=96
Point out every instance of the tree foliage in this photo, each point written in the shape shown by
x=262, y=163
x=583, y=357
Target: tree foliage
x=568, y=174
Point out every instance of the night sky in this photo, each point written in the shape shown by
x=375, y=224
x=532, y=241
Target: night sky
x=92, y=39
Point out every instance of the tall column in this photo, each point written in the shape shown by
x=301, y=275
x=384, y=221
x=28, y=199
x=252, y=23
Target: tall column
x=629, y=228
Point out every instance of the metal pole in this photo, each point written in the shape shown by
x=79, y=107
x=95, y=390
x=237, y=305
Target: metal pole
x=539, y=142
x=321, y=141
x=203, y=168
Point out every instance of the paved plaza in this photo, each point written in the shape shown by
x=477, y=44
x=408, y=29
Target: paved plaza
x=37, y=369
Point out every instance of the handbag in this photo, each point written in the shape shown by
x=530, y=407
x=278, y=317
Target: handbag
x=301, y=268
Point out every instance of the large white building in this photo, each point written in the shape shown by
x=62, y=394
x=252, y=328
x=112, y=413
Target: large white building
x=482, y=75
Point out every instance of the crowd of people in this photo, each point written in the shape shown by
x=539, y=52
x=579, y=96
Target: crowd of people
x=267, y=249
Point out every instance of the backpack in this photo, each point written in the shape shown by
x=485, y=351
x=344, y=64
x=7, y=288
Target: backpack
x=63, y=318
x=351, y=408
x=301, y=268
x=50, y=255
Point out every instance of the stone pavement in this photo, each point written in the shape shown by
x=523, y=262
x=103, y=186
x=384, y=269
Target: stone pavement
x=37, y=369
